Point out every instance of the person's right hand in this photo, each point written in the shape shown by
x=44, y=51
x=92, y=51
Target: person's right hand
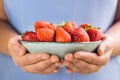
x=37, y=63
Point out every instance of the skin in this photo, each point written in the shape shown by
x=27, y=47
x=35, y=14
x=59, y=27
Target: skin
x=85, y=62
x=42, y=63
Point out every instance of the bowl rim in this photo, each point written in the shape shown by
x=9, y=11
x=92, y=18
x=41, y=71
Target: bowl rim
x=63, y=42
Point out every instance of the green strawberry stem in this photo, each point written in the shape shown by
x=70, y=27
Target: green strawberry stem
x=62, y=23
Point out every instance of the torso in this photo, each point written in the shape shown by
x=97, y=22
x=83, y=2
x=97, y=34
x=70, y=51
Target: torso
x=23, y=13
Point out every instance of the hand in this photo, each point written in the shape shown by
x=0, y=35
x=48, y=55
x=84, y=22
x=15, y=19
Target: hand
x=86, y=62
x=37, y=63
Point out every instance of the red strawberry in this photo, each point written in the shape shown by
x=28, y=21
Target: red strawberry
x=43, y=24
x=53, y=26
x=69, y=27
x=94, y=34
x=62, y=35
x=73, y=24
x=80, y=35
x=85, y=25
x=45, y=34
x=30, y=36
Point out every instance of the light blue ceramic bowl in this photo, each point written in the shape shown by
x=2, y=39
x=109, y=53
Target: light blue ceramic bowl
x=60, y=49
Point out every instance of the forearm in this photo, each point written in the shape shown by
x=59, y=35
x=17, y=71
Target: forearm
x=114, y=32
x=6, y=32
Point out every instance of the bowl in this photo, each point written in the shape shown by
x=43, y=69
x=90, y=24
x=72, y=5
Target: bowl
x=60, y=49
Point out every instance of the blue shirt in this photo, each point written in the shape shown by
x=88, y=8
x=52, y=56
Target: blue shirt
x=23, y=13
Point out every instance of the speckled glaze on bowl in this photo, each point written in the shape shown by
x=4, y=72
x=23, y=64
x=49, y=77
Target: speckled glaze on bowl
x=60, y=49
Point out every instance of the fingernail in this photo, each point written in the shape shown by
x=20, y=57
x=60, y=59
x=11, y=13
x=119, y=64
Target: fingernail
x=68, y=71
x=69, y=57
x=55, y=70
x=77, y=55
x=54, y=59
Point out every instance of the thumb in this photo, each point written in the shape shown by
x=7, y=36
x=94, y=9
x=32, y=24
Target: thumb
x=105, y=45
x=101, y=50
x=15, y=48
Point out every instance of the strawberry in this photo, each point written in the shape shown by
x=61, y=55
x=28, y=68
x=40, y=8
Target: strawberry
x=53, y=26
x=30, y=36
x=62, y=35
x=73, y=24
x=80, y=35
x=85, y=25
x=69, y=27
x=45, y=34
x=94, y=34
x=43, y=24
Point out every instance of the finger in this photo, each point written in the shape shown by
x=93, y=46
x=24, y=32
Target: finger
x=30, y=59
x=105, y=45
x=88, y=57
x=54, y=58
x=15, y=48
x=71, y=66
x=105, y=58
x=41, y=66
x=52, y=69
x=38, y=67
x=68, y=56
x=92, y=58
x=84, y=66
x=68, y=70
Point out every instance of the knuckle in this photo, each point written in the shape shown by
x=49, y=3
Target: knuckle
x=107, y=46
x=91, y=69
x=37, y=68
x=76, y=60
x=70, y=65
x=49, y=70
x=11, y=42
x=28, y=70
x=74, y=68
x=25, y=69
x=82, y=72
x=53, y=66
x=38, y=73
x=96, y=70
x=43, y=72
x=86, y=67
x=104, y=62
x=47, y=62
x=18, y=63
x=88, y=72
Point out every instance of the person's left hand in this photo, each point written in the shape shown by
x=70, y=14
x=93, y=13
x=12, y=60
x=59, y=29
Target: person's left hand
x=86, y=62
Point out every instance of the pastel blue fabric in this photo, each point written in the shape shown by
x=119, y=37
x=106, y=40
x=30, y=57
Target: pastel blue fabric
x=23, y=13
